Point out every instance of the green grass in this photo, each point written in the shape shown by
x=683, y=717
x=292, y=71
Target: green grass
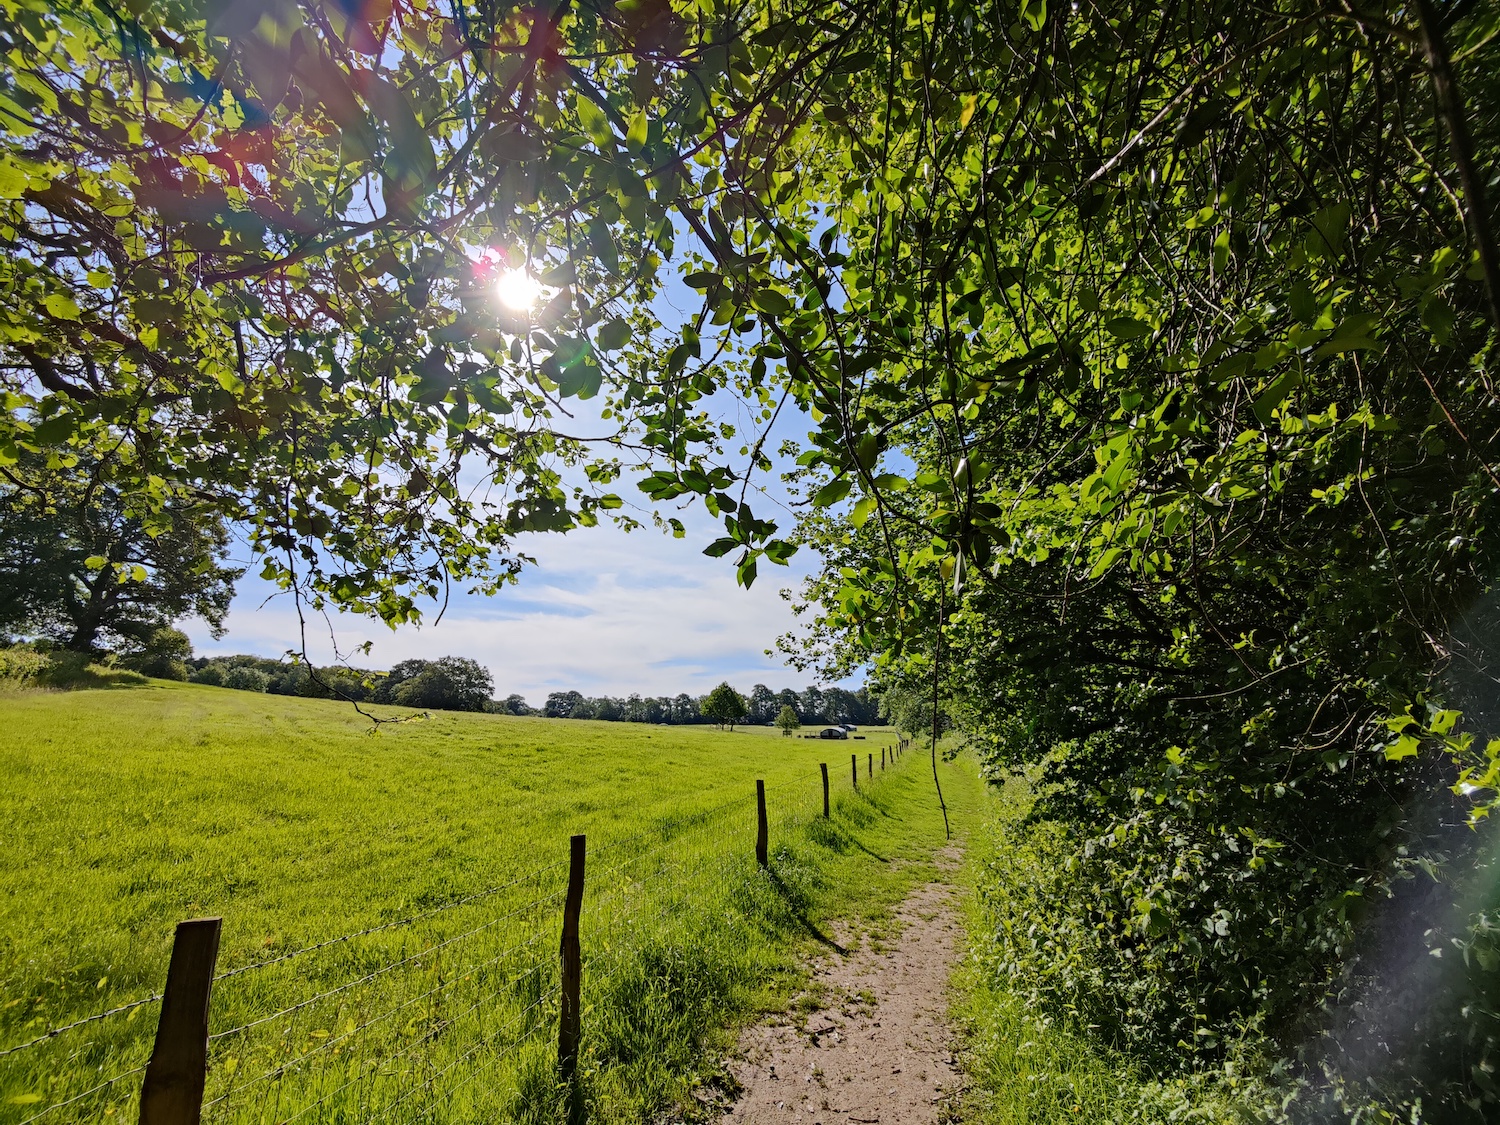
x=128, y=810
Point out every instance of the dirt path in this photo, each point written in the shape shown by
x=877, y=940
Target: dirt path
x=875, y=1047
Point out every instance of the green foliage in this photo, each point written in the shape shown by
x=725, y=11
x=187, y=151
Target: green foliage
x=511, y=705
x=450, y=683
x=79, y=565
x=21, y=664
x=163, y=653
x=245, y=679
x=265, y=270
x=787, y=719
x=210, y=675
x=724, y=706
x=66, y=670
x=1147, y=425
x=908, y=706
x=1149, y=350
x=1025, y=1061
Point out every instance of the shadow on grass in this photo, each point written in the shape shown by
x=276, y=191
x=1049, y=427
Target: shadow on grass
x=799, y=914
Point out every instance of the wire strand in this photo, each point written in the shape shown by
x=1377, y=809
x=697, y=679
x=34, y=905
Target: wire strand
x=466, y=900
x=429, y=951
x=79, y=1097
x=56, y=1031
x=373, y=1020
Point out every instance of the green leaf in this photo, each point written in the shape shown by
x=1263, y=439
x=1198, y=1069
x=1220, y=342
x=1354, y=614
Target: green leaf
x=603, y=244
x=771, y=302
x=60, y=305
x=832, y=492
x=613, y=335
x=861, y=511
x=13, y=181
x=1127, y=328
x=409, y=162
x=1404, y=747
x=635, y=136
x=1274, y=395
x=721, y=547
x=745, y=573
x=595, y=123
x=1105, y=561
x=1221, y=251
x=1035, y=14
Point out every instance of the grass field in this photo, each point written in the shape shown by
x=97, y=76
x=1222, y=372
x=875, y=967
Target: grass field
x=128, y=810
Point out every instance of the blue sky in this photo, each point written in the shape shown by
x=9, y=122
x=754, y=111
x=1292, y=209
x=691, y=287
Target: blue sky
x=603, y=612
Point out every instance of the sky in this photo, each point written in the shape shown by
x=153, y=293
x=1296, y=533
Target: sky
x=604, y=612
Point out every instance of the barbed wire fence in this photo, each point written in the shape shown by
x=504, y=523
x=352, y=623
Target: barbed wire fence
x=449, y=1013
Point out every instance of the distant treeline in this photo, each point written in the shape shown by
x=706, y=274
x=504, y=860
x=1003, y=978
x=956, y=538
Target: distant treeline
x=456, y=683
x=813, y=705
x=449, y=683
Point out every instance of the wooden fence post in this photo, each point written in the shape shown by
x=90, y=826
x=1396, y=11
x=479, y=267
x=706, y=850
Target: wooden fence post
x=824, y=767
x=172, y=1091
x=762, y=832
x=569, y=1021
x=854, y=768
x=871, y=764
x=882, y=759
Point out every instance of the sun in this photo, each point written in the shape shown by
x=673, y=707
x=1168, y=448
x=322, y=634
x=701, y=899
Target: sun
x=518, y=290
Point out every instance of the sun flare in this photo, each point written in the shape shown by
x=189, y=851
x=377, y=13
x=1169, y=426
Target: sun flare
x=518, y=290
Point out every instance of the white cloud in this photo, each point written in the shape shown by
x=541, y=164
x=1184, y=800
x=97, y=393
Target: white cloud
x=604, y=612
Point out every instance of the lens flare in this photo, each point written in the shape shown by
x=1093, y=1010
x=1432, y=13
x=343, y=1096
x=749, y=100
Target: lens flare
x=518, y=290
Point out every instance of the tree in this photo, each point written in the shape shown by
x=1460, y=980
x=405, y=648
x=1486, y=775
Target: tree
x=787, y=720
x=450, y=683
x=762, y=704
x=605, y=709
x=210, y=675
x=211, y=300
x=685, y=709
x=513, y=704
x=245, y=679
x=1196, y=525
x=811, y=705
x=80, y=566
x=387, y=685
x=561, y=704
x=908, y=708
x=843, y=706
x=724, y=706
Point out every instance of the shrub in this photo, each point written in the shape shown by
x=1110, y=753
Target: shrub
x=164, y=655
x=211, y=675
x=162, y=668
x=21, y=665
x=245, y=679
x=73, y=670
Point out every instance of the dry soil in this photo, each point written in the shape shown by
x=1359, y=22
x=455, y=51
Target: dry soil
x=876, y=1046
